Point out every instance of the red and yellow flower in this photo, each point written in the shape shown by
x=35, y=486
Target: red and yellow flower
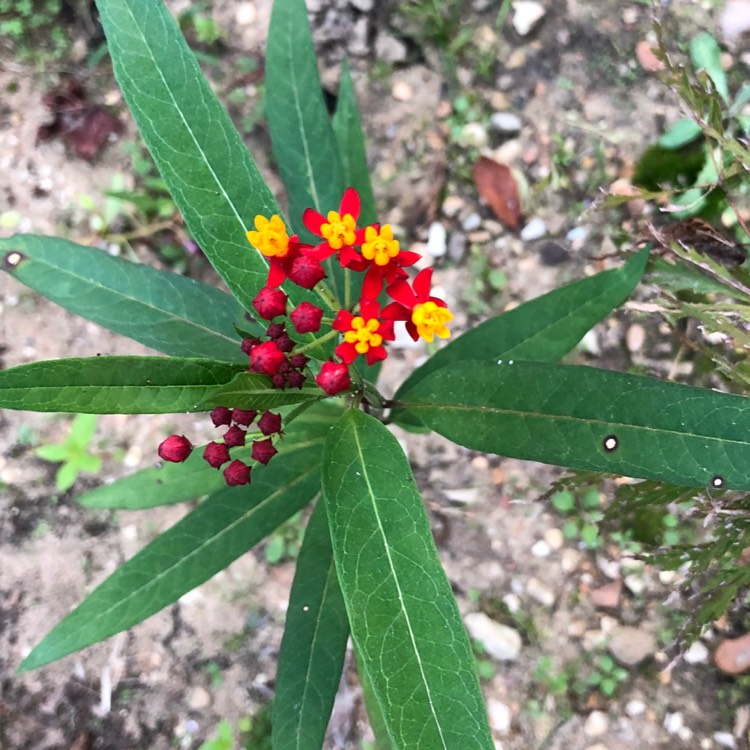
x=385, y=258
x=270, y=238
x=364, y=334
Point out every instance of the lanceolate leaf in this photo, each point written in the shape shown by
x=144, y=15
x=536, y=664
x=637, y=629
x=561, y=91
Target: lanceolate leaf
x=215, y=534
x=314, y=644
x=168, y=483
x=347, y=126
x=592, y=420
x=543, y=329
x=250, y=391
x=212, y=177
x=304, y=143
x=170, y=313
x=113, y=385
x=405, y=623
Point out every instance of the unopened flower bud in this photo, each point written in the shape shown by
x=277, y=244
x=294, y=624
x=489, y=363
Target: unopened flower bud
x=275, y=330
x=269, y=423
x=217, y=454
x=221, y=416
x=285, y=343
x=333, y=378
x=176, y=448
x=245, y=417
x=306, y=272
x=306, y=318
x=248, y=344
x=266, y=358
x=298, y=361
x=237, y=473
x=295, y=379
x=278, y=381
x=234, y=436
x=263, y=450
x=270, y=303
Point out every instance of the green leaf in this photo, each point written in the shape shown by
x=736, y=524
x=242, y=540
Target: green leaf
x=706, y=55
x=592, y=420
x=208, y=539
x=682, y=132
x=168, y=483
x=170, y=313
x=66, y=477
x=251, y=391
x=347, y=125
x=213, y=179
x=88, y=462
x=545, y=328
x=304, y=144
x=60, y=452
x=113, y=385
x=312, y=652
x=82, y=430
x=405, y=623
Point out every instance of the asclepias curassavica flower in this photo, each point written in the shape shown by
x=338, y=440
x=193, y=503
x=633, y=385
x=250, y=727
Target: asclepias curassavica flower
x=286, y=368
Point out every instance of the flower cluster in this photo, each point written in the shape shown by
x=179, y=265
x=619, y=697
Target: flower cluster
x=371, y=250
x=177, y=448
x=365, y=329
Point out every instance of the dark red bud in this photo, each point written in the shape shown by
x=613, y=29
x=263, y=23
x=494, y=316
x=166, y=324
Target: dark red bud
x=275, y=330
x=333, y=378
x=237, y=473
x=306, y=318
x=217, y=454
x=266, y=358
x=248, y=344
x=306, y=272
x=270, y=303
x=298, y=361
x=295, y=379
x=285, y=343
x=278, y=381
x=263, y=450
x=176, y=448
x=269, y=423
x=234, y=436
x=245, y=417
x=221, y=416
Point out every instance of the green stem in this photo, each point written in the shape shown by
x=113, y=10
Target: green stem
x=316, y=342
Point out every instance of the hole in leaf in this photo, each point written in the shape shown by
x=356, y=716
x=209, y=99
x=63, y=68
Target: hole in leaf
x=717, y=482
x=611, y=443
x=13, y=258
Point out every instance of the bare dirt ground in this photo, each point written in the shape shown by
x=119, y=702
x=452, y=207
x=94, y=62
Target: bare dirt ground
x=586, y=109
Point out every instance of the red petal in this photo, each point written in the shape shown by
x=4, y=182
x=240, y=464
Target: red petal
x=403, y=293
x=394, y=311
x=373, y=283
x=422, y=283
x=276, y=273
x=349, y=257
x=375, y=354
x=360, y=234
x=343, y=321
x=369, y=308
x=347, y=352
x=411, y=329
x=386, y=330
x=321, y=252
x=313, y=220
x=407, y=258
x=349, y=203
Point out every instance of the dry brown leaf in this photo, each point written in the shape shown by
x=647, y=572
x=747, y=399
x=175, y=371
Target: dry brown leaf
x=498, y=188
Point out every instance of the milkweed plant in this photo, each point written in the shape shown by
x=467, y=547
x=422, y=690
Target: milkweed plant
x=285, y=366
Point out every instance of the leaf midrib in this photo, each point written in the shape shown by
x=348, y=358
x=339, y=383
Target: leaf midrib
x=386, y=547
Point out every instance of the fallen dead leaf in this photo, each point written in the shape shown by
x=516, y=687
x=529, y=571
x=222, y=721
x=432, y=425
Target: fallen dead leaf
x=733, y=655
x=648, y=60
x=499, y=189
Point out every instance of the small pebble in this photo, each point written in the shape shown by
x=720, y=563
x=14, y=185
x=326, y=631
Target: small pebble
x=537, y=590
x=473, y=134
x=245, y=14
x=635, y=338
x=534, y=230
x=462, y=496
x=541, y=549
x=500, y=641
x=631, y=646
x=527, y=14
x=674, y=722
x=389, y=49
x=506, y=122
x=733, y=655
x=725, y=739
x=552, y=254
x=500, y=716
x=596, y=724
x=364, y=5
x=635, y=708
x=199, y=698
x=471, y=222
x=402, y=91
x=437, y=244
x=457, y=246
x=554, y=538
x=697, y=653
x=452, y=205
x=577, y=236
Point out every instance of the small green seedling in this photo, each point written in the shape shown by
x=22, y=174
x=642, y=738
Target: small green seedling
x=73, y=452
